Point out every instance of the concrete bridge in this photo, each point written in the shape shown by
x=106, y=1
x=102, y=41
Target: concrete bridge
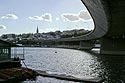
x=109, y=20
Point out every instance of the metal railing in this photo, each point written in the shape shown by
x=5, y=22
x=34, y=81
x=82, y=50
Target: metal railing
x=18, y=52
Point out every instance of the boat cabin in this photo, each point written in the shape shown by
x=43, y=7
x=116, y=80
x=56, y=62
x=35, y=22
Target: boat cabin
x=5, y=50
x=7, y=60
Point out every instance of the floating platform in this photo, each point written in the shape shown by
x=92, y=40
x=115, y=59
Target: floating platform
x=68, y=77
x=9, y=63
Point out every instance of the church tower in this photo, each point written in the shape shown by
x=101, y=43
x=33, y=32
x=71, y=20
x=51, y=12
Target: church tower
x=37, y=30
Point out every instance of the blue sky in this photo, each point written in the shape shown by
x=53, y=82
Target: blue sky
x=23, y=16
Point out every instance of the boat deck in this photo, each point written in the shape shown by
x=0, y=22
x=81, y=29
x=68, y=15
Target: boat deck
x=9, y=63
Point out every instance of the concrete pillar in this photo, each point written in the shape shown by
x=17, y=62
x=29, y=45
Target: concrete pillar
x=113, y=46
x=86, y=45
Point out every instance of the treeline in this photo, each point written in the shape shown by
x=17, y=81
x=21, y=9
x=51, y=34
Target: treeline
x=74, y=35
x=25, y=35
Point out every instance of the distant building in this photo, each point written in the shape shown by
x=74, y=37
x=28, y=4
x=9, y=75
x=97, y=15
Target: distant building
x=75, y=31
x=69, y=32
x=37, y=35
x=5, y=36
x=8, y=37
x=37, y=30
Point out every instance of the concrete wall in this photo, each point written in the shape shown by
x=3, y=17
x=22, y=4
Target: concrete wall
x=86, y=45
x=112, y=46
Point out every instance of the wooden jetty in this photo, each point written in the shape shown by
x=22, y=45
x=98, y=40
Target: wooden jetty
x=68, y=77
x=16, y=74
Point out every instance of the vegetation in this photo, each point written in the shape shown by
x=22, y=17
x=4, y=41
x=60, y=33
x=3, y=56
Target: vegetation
x=25, y=35
x=74, y=35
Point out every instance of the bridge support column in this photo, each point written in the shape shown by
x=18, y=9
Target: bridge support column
x=86, y=45
x=112, y=46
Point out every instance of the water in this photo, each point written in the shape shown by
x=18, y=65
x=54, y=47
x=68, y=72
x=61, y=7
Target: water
x=75, y=62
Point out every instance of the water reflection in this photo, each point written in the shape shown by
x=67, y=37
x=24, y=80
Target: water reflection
x=114, y=68
x=75, y=62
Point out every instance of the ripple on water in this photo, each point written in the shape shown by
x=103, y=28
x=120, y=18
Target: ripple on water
x=75, y=62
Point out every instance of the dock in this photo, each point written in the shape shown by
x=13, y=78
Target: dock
x=68, y=77
x=15, y=74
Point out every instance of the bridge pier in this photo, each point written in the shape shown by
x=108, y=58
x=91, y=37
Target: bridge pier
x=86, y=45
x=113, y=46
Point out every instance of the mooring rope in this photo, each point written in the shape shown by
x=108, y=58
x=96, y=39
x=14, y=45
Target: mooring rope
x=24, y=64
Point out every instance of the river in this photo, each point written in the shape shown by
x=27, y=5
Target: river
x=78, y=63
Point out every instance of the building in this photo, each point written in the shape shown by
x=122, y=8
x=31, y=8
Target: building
x=37, y=30
x=8, y=36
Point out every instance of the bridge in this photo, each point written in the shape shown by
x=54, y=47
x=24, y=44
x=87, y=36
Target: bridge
x=109, y=20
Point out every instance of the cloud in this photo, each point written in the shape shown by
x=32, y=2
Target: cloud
x=9, y=16
x=81, y=16
x=47, y=17
x=2, y=27
x=70, y=17
x=57, y=19
x=84, y=15
x=44, y=17
x=35, y=18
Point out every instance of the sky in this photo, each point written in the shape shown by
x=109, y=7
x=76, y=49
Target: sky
x=23, y=16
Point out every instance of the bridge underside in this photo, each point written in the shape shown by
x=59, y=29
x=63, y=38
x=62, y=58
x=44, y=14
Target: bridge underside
x=112, y=46
x=109, y=18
